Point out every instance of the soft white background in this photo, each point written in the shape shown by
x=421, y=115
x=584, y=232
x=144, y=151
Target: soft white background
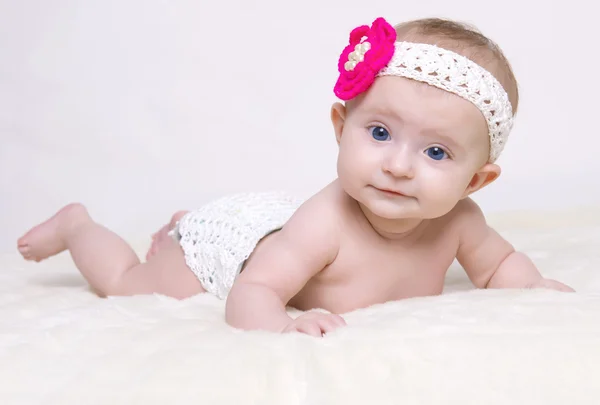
x=138, y=108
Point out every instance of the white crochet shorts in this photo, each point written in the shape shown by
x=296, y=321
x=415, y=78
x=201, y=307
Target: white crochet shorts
x=218, y=238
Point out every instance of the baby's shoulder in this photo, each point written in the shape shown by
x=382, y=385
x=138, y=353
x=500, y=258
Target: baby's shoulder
x=323, y=208
x=466, y=208
x=314, y=228
x=319, y=216
x=466, y=214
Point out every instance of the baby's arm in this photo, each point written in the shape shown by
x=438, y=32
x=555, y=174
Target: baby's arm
x=277, y=272
x=489, y=260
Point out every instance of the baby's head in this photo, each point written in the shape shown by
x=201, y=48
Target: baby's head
x=429, y=106
x=466, y=41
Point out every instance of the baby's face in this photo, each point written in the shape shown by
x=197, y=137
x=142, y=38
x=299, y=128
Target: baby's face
x=410, y=150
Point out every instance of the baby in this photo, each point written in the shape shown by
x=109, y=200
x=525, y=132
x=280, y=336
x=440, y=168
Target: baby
x=428, y=106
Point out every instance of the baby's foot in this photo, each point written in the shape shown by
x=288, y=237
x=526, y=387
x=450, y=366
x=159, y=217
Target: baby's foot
x=47, y=239
x=161, y=237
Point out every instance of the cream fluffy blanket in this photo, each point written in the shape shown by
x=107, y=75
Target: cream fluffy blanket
x=60, y=344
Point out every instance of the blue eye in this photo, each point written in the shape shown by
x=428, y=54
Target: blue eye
x=436, y=153
x=379, y=133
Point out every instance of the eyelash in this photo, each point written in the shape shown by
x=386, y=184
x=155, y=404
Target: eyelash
x=373, y=126
x=448, y=154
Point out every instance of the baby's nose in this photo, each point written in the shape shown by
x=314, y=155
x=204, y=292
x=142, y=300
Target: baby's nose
x=399, y=164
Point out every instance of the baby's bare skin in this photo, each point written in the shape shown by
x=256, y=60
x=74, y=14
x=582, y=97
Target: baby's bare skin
x=387, y=228
x=361, y=267
x=161, y=237
x=369, y=269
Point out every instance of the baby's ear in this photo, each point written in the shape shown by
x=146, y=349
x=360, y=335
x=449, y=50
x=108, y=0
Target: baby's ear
x=338, y=117
x=484, y=176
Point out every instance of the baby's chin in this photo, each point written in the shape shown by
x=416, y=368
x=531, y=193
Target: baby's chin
x=411, y=209
x=402, y=208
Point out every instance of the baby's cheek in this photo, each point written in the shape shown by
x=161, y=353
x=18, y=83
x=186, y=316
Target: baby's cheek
x=353, y=162
x=345, y=170
x=348, y=175
x=444, y=190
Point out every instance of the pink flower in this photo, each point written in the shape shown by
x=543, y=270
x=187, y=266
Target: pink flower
x=370, y=49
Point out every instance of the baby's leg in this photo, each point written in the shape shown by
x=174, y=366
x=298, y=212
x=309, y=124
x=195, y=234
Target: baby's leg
x=161, y=237
x=105, y=260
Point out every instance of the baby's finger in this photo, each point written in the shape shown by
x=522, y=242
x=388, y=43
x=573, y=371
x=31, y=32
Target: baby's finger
x=290, y=329
x=310, y=328
x=327, y=324
x=338, y=320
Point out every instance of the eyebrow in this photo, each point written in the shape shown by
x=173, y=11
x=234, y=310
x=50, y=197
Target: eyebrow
x=446, y=139
x=383, y=111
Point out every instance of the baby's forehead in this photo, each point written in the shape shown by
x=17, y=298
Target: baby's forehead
x=391, y=95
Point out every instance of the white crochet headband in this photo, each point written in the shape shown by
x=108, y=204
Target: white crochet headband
x=375, y=50
x=457, y=74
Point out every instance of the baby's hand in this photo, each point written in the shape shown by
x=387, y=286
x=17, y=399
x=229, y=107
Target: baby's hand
x=552, y=284
x=315, y=323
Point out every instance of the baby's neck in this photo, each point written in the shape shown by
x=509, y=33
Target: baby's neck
x=394, y=229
